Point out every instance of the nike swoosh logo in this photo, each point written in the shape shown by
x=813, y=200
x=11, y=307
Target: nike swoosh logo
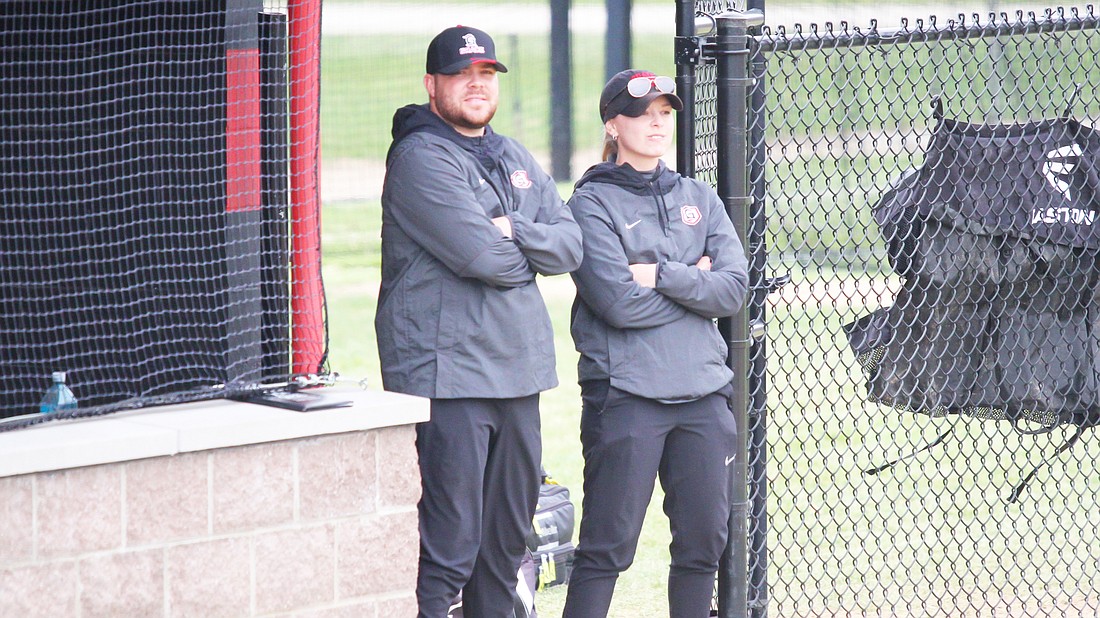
x=630, y=226
x=729, y=459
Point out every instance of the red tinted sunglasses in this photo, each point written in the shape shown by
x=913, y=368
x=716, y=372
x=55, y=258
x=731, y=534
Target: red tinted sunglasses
x=640, y=86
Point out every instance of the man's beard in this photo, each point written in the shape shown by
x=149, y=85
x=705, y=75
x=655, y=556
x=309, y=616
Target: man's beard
x=453, y=112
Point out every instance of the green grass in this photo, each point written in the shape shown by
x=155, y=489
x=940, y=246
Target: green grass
x=830, y=91
x=938, y=522
x=364, y=80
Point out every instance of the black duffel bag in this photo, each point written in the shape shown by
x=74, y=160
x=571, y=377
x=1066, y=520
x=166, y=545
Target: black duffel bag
x=551, y=536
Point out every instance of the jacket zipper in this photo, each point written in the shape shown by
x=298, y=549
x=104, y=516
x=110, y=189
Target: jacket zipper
x=662, y=214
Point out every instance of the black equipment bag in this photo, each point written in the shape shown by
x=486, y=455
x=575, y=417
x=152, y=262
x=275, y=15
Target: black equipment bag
x=997, y=241
x=550, y=540
x=555, y=565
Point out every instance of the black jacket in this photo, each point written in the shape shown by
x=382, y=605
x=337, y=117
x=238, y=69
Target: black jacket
x=662, y=342
x=459, y=314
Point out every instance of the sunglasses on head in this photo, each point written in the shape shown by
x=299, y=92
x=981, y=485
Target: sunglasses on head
x=640, y=86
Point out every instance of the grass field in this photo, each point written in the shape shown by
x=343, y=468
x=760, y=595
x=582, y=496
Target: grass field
x=356, y=114
x=364, y=79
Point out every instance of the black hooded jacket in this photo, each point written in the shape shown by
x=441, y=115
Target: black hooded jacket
x=662, y=342
x=459, y=314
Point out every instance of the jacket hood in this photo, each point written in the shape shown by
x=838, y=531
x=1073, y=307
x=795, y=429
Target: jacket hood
x=661, y=180
x=488, y=149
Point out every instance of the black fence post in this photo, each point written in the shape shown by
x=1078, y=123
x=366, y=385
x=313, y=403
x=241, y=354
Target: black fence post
x=733, y=83
x=690, y=31
x=561, y=89
x=617, y=45
x=685, y=87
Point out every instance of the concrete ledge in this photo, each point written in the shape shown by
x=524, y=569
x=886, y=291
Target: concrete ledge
x=198, y=426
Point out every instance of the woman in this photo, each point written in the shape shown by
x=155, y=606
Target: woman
x=661, y=261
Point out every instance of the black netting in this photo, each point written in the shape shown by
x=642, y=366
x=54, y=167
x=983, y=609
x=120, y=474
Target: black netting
x=930, y=371
x=144, y=208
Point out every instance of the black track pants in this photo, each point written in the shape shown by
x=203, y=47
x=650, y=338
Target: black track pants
x=628, y=442
x=479, y=468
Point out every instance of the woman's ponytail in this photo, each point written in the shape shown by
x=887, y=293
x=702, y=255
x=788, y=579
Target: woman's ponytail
x=610, y=147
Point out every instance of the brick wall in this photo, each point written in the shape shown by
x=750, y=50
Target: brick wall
x=320, y=527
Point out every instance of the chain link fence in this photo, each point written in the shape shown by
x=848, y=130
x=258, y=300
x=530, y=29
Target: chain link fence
x=924, y=386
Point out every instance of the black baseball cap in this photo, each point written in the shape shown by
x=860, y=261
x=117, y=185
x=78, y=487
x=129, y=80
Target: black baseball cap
x=616, y=99
x=456, y=48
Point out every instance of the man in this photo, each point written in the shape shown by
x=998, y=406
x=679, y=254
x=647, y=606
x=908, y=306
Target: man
x=468, y=220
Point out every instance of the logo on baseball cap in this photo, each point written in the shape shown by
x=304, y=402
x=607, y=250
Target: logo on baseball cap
x=456, y=48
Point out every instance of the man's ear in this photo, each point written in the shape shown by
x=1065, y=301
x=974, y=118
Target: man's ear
x=429, y=85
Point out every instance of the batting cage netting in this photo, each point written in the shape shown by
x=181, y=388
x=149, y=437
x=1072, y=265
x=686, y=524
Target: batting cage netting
x=158, y=214
x=922, y=354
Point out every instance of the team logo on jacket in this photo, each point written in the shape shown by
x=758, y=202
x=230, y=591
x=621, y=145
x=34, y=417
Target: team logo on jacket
x=520, y=179
x=690, y=215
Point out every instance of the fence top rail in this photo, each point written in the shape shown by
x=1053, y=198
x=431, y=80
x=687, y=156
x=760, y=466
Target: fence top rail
x=844, y=35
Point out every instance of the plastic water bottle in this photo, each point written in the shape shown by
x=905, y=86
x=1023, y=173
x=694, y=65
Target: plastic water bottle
x=58, y=396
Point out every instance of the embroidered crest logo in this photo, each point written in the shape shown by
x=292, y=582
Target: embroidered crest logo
x=690, y=215
x=471, y=46
x=520, y=179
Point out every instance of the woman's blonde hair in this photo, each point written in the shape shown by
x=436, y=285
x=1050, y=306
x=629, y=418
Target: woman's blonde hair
x=610, y=147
